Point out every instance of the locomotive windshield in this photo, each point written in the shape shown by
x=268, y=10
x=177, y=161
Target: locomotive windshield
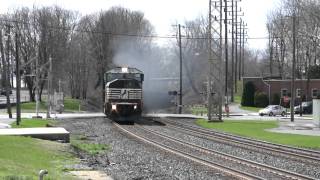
x=127, y=84
x=113, y=76
x=124, y=73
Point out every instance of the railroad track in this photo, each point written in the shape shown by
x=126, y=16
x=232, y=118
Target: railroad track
x=295, y=153
x=234, y=166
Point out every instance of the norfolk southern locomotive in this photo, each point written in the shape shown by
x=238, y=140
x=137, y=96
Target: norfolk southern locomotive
x=123, y=94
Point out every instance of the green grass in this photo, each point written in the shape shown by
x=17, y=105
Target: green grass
x=30, y=123
x=237, y=99
x=23, y=157
x=32, y=106
x=239, y=88
x=82, y=143
x=198, y=110
x=256, y=129
x=69, y=105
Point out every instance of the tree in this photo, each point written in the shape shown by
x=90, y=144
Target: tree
x=248, y=94
x=261, y=99
x=314, y=72
x=275, y=99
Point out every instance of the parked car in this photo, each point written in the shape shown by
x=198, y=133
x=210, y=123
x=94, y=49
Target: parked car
x=306, y=108
x=273, y=110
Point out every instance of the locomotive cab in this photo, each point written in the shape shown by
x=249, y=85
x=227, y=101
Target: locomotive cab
x=123, y=94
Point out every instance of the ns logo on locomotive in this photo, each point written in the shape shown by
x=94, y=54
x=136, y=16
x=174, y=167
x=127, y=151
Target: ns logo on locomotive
x=123, y=93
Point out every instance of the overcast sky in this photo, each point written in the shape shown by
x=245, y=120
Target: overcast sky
x=163, y=13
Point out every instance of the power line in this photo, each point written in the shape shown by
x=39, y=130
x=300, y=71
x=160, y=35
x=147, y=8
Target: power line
x=6, y=21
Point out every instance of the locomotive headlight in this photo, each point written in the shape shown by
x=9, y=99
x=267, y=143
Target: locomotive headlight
x=135, y=107
x=114, y=107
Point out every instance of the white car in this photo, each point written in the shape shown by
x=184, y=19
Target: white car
x=273, y=110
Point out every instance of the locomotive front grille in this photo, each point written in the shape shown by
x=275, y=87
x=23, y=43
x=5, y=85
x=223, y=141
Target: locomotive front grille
x=113, y=93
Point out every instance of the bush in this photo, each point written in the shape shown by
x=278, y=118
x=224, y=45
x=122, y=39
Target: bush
x=261, y=99
x=248, y=94
x=275, y=99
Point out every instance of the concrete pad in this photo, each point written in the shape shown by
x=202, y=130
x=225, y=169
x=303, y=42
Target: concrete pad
x=54, y=133
x=309, y=126
x=4, y=126
x=96, y=175
x=300, y=132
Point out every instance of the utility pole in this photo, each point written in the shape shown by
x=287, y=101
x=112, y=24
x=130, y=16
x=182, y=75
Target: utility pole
x=220, y=65
x=293, y=66
x=18, y=82
x=37, y=88
x=226, y=48
x=237, y=32
x=236, y=48
x=180, y=54
x=232, y=53
x=8, y=73
x=243, y=35
x=240, y=50
x=209, y=89
x=49, y=88
x=60, y=89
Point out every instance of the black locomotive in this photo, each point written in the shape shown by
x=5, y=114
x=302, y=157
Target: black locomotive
x=123, y=93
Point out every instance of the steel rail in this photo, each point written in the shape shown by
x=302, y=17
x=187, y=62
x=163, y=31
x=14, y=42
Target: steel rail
x=259, y=166
x=227, y=170
x=292, y=152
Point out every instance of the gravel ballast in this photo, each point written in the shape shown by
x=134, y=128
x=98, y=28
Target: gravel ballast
x=129, y=158
x=300, y=167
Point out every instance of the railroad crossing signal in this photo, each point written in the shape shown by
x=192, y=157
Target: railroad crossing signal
x=286, y=99
x=173, y=93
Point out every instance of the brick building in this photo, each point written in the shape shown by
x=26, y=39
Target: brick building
x=283, y=87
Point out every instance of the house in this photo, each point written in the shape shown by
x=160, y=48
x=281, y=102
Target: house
x=304, y=90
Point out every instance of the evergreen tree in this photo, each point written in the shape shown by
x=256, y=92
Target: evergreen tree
x=248, y=94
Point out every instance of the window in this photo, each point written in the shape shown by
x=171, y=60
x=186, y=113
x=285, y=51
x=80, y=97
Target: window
x=314, y=93
x=298, y=93
x=284, y=92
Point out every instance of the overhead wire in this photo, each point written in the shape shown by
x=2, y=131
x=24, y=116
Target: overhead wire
x=6, y=21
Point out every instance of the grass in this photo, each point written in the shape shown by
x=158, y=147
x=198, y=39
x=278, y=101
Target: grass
x=239, y=88
x=23, y=157
x=198, y=110
x=237, y=99
x=32, y=106
x=30, y=123
x=82, y=143
x=256, y=130
x=69, y=105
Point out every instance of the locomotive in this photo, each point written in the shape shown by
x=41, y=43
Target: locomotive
x=123, y=93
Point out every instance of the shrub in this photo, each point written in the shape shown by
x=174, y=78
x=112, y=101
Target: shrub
x=248, y=94
x=261, y=99
x=275, y=99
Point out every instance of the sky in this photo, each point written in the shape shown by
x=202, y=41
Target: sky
x=163, y=14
